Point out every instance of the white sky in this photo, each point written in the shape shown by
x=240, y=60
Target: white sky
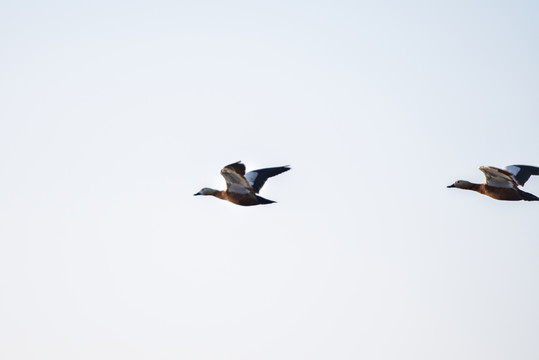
x=114, y=113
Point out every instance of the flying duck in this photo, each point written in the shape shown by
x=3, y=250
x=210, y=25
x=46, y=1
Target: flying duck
x=242, y=188
x=502, y=184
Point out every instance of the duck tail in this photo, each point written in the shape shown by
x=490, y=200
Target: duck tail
x=262, y=200
x=527, y=196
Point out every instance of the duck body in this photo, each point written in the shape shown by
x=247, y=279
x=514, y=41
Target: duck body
x=505, y=193
x=242, y=189
x=241, y=199
x=502, y=184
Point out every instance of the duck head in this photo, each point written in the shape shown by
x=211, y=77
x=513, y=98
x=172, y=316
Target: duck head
x=461, y=184
x=206, y=191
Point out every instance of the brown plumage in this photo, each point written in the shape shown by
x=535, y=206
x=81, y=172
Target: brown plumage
x=502, y=184
x=242, y=189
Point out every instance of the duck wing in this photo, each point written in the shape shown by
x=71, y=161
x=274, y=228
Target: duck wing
x=234, y=175
x=257, y=178
x=498, y=177
x=522, y=172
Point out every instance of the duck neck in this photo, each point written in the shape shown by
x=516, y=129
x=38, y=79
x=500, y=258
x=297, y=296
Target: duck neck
x=480, y=188
x=219, y=194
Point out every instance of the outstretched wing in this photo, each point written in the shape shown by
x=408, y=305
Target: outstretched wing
x=257, y=178
x=498, y=177
x=522, y=172
x=235, y=179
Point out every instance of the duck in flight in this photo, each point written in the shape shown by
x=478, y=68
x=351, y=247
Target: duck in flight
x=242, y=188
x=502, y=184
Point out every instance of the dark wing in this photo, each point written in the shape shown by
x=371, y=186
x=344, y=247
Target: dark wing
x=498, y=177
x=257, y=178
x=237, y=167
x=522, y=172
x=235, y=179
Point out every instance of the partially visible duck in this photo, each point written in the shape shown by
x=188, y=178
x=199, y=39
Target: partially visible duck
x=502, y=184
x=242, y=188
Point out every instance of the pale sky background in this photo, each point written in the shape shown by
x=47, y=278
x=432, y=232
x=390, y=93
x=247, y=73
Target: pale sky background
x=115, y=113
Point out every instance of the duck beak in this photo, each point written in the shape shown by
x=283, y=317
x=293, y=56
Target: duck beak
x=450, y=186
x=198, y=193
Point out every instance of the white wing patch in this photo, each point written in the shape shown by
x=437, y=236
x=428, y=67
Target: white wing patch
x=495, y=177
x=238, y=189
x=251, y=177
x=233, y=178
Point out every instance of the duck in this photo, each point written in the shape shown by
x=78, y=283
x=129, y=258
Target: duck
x=502, y=184
x=241, y=188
